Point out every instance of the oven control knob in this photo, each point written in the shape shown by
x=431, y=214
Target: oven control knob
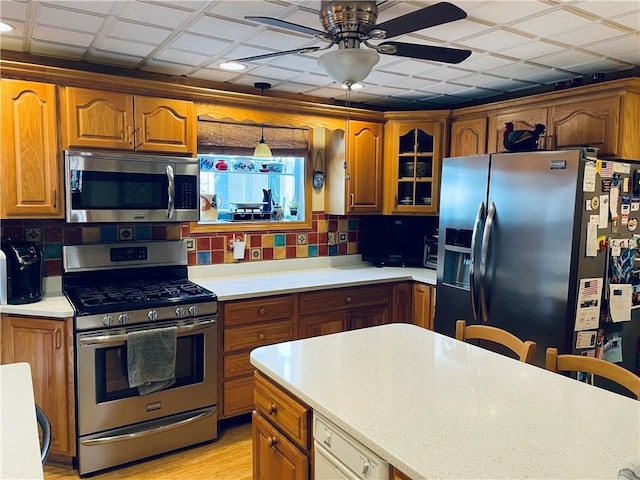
x=194, y=309
x=152, y=315
x=107, y=320
x=123, y=318
x=180, y=312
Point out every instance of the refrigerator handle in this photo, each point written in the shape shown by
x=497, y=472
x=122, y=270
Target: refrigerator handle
x=472, y=269
x=486, y=240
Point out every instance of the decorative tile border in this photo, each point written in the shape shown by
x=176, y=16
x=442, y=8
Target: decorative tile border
x=329, y=235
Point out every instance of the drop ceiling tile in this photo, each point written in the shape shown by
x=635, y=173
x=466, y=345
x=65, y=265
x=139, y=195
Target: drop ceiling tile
x=594, y=33
x=199, y=44
x=602, y=65
x=440, y=88
x=617, y=48
x=180, y=56
x=497, y=41
x=257, y=8
x=302, y=16
x=296, y=62
x=136, y=49
x=531, y=50
x=11, y=43
x=56, y=50
x=12, y=10
x=607, y=8
x=383, y=78
x=125, y=30
x=453, y=31
x=631, y=21
x=215, y=75
x=112, y=58
x=220, y=28
x=484, y=62
x=58, y=35
x=553, y=23
x=92, y=6
x=167, y=67
x=313, y=79
x=475, y=92
x=275, y=40
x=276, y=73
x=521, y=70
x=82, y=22
x=294, y=87
x=499, y=12
x=565, y=59
x=187, y=4
x=154, y=14
x=382, y=90
x=443, y=73
x=412, y=82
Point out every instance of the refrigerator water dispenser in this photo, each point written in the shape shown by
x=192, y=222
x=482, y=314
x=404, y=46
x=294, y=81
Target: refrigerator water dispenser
x=457, y=258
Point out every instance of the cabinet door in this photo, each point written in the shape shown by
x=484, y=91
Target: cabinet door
x=525, y=119
x=364, y=167
x=423, y=305
x=164, y=125
x=323, y=324
x=274, y=456
x=401, y=306
x=367, y=317
x=30, y=163
x=468, y=137
x=593, y=122
x=46, y=346
x=96, y=118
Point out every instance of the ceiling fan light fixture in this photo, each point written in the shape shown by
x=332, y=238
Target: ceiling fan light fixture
x=232, y=66
x=354, y=86
x=348, y=66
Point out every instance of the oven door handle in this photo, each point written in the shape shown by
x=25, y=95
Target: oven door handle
x=171, y=192
x=122, y=338
x=146, y=433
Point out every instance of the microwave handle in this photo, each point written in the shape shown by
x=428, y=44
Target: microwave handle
x=171, y=191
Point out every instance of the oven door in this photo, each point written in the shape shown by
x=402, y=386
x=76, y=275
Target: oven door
x=119, y=188
x=104, y=398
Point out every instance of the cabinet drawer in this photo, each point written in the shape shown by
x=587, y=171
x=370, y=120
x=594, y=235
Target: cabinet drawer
x=238, y=396
x=253, y=311
x=237, y=364
x=252, y=336
x=343, y=298
x=284, y=411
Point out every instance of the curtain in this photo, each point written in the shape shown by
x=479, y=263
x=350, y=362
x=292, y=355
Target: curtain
x=226, y=138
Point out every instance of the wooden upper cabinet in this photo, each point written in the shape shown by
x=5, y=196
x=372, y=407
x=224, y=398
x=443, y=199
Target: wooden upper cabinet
x=364, y=167
x=112, y=120
x=31, y=162
x=592, y=122
x=522, y=119
x=412, y=160
x=468, y=137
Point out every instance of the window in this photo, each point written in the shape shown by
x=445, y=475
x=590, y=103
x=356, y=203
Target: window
x=237, y=187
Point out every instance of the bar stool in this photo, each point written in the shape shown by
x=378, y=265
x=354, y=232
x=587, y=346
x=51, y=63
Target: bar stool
x=525, y=350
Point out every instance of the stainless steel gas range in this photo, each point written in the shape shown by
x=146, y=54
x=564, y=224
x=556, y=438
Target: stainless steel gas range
x=119, y=291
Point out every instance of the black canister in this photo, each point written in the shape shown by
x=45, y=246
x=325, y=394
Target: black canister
x=25, y=271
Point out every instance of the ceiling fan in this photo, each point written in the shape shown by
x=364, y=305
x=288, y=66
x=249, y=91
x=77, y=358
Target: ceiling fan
x=351, y=24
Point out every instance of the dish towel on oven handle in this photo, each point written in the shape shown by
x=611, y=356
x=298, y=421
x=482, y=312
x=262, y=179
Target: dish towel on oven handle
x=151, y=359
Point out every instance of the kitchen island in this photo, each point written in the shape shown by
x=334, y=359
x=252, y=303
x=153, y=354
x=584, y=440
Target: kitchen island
x=434, y=407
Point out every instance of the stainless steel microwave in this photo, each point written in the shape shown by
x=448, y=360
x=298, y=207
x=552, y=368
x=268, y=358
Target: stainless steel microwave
x=119, y=187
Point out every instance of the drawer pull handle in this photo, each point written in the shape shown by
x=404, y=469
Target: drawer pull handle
x=261, y=336
x=262, y=311
x=272, y=442
x=348, y=300
x=273, y=409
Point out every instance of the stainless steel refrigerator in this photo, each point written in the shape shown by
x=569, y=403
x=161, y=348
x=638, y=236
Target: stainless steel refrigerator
x=512, y=246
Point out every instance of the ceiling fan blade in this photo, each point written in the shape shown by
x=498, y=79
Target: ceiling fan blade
x=424, y=52
x=274, y=22
x=443, y=12
x=277, y=54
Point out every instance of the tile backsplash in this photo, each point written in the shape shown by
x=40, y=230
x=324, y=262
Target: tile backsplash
x=330, y=235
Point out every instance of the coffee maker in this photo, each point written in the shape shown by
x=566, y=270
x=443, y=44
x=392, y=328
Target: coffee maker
x=25, y=271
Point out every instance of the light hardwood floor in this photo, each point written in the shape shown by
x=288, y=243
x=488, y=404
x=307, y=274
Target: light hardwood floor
x=227, y=458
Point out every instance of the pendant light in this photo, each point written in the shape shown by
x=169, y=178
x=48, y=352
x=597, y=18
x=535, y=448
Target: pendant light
x=262, y=148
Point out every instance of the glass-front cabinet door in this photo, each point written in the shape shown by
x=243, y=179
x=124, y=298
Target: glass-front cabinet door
x=412, y=167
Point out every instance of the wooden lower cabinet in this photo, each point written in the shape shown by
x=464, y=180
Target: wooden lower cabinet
x=281, y=426
x=398, y=475
x=423, y=305
x=402, y=303
x=322, y=324
x=47, y=346
x=367, y=317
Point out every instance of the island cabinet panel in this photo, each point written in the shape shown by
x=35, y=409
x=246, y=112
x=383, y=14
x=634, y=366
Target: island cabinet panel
x=248, y=324
x=281, y=433
x=30, y=163
x=103, y=119
x=274, y=456
x=46, y=345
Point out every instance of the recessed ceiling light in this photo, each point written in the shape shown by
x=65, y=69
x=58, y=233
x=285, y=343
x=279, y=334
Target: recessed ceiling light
x=5, y=27
x=233, y=66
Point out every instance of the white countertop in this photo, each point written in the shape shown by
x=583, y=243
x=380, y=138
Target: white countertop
x=19, y=441
x=258, y=279
x=438, y=408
